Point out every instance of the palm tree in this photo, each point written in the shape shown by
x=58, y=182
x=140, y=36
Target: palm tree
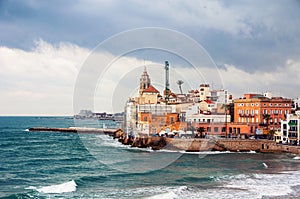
x=201, y=129
x=271, y=134
x=267, y=117
x=180, y=82
x=226, y=107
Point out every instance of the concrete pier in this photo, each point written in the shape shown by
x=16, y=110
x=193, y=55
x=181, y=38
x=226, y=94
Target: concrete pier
x=110, y=132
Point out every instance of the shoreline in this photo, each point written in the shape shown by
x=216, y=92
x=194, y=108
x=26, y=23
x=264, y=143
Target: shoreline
x=183, y=144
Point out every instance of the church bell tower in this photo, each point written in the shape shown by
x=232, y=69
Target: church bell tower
x=144, y=81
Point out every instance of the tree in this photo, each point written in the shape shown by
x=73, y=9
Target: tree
x=267, y=117
x=201, y=130
x=180, y=82
x=226, y=107
x=271, y=134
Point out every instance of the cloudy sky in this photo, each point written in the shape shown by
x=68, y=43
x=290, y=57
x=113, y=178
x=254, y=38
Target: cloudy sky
x=44, y=44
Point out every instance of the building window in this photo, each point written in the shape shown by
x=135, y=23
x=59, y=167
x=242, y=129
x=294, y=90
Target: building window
x=271, y=111
x=223, y=129
x=145, y=118
x=256, y=120
x=286, y=112
x=208, y=129
x=216, y=129
x=270, y=104
x=252, y=104
x=256, y=112
x=284, y=126
x=280, y=111
x=172, y=119
x=265, y=111
x=284, y=133
x=257, y=104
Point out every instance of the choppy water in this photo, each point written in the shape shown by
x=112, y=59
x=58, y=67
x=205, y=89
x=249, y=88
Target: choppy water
x=58, y=165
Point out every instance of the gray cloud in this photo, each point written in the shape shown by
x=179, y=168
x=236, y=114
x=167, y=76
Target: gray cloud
x=255, y=37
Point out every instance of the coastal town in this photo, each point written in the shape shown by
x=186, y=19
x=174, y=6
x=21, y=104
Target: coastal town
x=205, y=113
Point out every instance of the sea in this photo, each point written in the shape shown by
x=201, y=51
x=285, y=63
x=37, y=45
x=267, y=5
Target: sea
x=66, y=165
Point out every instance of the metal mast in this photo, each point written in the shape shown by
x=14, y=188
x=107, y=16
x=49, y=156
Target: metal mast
x=167, y=89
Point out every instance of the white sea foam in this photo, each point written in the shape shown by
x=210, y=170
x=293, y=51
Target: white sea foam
x=171, y=193
x=265, y=184
x=265, y=165
x=242, y=186
x=296, y=158
x=26, y=130
x=168, y=195
x=60, y=188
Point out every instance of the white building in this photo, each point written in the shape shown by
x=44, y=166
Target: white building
x=130, y=116
x=204, y=93
x=211, y=118
x=268, y=95
x=290, y=129
x=296, y=103
x=220, y=96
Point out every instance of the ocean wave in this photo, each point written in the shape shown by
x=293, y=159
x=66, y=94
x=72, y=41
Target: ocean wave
x=60, y=188
x=170, y=194
x=260, y=185
x=296, y=158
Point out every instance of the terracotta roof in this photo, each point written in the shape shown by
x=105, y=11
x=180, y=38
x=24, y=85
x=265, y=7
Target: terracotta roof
x=151, y=89
x=209, y=101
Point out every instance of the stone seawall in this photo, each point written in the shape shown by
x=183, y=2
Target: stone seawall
x=180, y=144
x=195, y=145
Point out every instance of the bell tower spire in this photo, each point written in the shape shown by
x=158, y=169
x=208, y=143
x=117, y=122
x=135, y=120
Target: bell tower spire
x=144, y=81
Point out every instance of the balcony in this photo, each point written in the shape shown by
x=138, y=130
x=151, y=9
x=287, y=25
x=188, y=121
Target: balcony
x=263, y=124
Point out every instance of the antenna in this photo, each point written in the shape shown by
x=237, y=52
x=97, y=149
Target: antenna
x=167, y=89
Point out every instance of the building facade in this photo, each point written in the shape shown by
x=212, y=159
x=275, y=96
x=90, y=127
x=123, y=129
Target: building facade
x=265, y=113
x=290, y=129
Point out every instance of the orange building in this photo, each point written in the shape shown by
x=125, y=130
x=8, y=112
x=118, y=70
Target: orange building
x=153, y=124
x=252, y=110
x=229, y=130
